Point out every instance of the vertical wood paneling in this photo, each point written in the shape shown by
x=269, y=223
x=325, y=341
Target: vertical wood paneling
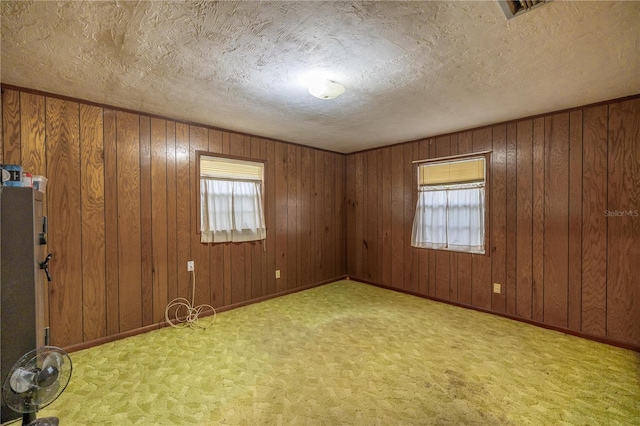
x=146, y=254
x=216, y=251
x=556, y=224
x=623, y=222
x=32, y=134
x=116, y=178
x=408, y=193
x=237, y=251
x=129, y=227
x=465, y=146
x=442, y=284
x=93, y=223
x=281, y=186
x=198, y=141
x=11, y=126
x=271, y=217
x=523, y=303
x=512, y=209
x=594, y=221
x=65, y=221
x=327, y=243
x=416, y=283
x=423, y=255
x=574, y=310
x=385, y=206
x=159, y=213
x=319, y=184
x=339, y=215
x=539, y=168
x=371, y=245
x=258, y=260
x=183, y=210
x=498, y=217
x=292, y=214
x=481, y=264
x=397, y=216
x=172, y=214
x=111, y=222
x=305, y=216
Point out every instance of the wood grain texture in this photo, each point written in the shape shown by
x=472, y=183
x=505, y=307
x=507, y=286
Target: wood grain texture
x=370, y=239
x=328, y=261
x=397, y=216
x=183, y=210
x=537, y=248
x=523, y=302
x=159, y=213
x=597, y=166
x=339, y=215
x=594, y=221
x=172, y=213
x=423, y=254
x=129, y=227
x=11, y=127
x=556, y=223
x=481, y=264
x=443, y=273
x=282, y=221
x=198, y=141
x=292, y=215
x=498, y=216
x=111, y=222
x=92, y=189
x=409, y=208
x=512, y=210
x=574, y=310
x=65, y=221
x=258, y=259
x=32, y=134
x=146, y=236
x=465, y=146
x=270, y=208
x=216, y=251
x=623, y=222
x=386, y=258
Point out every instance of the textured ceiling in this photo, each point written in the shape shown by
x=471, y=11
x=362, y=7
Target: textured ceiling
x=411, y=69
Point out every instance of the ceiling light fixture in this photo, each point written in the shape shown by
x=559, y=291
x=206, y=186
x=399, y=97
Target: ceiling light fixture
x=326, y=89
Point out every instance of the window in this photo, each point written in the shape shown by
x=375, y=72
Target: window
x=451, y=204
x=231, y=207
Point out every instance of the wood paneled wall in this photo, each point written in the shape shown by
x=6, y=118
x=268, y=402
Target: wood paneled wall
x=121, y=204
x=562, y=221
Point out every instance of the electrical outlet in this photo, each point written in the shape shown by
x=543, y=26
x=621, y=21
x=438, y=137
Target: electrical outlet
x=497, y=287
x=190, y=266
x=277, y=273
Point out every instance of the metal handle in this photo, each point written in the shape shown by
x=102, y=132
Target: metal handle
x=45, y=265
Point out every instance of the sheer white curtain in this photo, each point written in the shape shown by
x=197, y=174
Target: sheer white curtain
x=231, y=211
x=450, y=217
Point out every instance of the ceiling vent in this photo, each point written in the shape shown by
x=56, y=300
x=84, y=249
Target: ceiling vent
x=513, y=8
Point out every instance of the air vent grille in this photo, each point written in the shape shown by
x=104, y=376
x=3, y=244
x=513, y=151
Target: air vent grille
x=514, y=8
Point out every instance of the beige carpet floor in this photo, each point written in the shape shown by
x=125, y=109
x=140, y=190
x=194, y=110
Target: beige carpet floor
x=352, y=354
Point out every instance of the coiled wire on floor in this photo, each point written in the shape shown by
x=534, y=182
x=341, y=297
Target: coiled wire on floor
x=185, y=313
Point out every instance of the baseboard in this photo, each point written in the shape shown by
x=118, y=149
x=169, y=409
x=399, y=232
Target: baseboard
x=151, y=327
x=598, y=339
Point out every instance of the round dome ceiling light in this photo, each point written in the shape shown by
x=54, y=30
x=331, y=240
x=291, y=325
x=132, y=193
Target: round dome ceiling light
x=326, y=89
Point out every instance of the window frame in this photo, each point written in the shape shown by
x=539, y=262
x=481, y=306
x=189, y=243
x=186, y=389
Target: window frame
x=487, y=198
x=199, y=155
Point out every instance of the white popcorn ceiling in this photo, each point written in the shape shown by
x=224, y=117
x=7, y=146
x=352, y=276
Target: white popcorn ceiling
x=411, y=69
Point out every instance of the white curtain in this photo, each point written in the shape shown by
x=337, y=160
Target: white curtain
x=450, y=217
x=231, y=211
